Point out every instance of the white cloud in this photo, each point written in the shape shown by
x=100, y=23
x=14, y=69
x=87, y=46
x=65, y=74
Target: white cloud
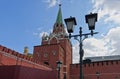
x=39, y=32
x=114, y=39
x=39, y=35
x=42, y=33
x=107, y=9
x=52, y=3
x=108, y=45
x=76, y=53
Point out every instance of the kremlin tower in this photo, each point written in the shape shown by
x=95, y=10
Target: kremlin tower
x=55, y=47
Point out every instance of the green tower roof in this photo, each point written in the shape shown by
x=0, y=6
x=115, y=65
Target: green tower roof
x=59, y=16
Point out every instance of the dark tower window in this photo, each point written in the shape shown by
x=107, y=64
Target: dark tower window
x=46, y=63
x=61, y=25
x=57, y=25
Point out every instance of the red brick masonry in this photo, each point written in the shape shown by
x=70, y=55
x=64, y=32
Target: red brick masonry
x=11, y=57
x=21, y=72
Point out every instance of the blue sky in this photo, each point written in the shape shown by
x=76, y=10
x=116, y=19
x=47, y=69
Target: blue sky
x=23, y=22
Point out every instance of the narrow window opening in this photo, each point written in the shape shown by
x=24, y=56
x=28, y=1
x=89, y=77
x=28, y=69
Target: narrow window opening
x=46, y=63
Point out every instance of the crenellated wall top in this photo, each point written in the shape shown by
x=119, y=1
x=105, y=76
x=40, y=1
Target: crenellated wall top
x=9, y=51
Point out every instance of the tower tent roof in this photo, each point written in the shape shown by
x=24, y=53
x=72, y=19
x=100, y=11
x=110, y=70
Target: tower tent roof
x=59, y=16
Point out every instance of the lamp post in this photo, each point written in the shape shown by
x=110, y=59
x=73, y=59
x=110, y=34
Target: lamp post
x=59, y=63
x=70, y=23
x=97, y=74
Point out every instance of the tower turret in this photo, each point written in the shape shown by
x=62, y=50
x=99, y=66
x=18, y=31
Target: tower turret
x=26, y=50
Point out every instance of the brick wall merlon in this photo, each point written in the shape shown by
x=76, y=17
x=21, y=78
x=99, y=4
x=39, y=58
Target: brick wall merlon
x=14, y=53
x=97, y=64
x=74, y=65
x=10, y=51
x=5, y=49
x=1, y=48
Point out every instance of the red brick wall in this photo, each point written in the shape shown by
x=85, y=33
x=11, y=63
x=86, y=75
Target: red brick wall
x=21, y=72
x=49, y=50
x=10, y=57
x=6, y=72
x=50, y=58
x=107, y=70
x=63, y=51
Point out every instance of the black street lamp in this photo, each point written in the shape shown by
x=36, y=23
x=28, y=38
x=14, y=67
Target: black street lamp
x=91, y=19
x=97, y=74
x=59, y=64
x=71, y=22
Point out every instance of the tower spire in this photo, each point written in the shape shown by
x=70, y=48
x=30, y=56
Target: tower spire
x=58, y=29
x=59, y=16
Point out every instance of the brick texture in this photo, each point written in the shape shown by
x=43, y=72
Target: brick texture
x=21, y=72
x=107, y=70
